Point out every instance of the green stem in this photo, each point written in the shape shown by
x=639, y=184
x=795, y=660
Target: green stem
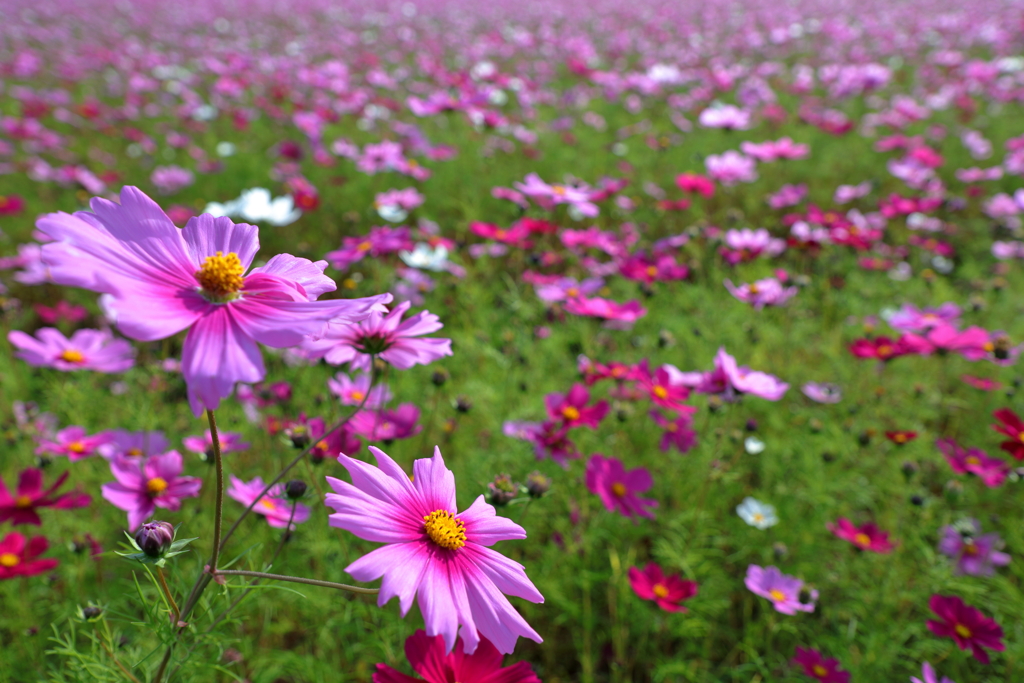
x=299, y=579
x=219, y=513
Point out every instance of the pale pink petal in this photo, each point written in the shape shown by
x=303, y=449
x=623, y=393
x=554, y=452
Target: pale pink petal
x=205, y=235
x=217, y=354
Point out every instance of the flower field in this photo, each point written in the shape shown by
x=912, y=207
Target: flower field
x=473, y=342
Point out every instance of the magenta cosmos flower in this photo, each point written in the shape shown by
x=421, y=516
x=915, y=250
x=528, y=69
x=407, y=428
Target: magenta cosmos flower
x=819, y=668
x=976, y=554
x=18, y=556
x=618, y=487
x=274, y=506
x=784, y=591
x=142, y=485
x=386, y=336
x=433, y=552
x=355, y=392
x=30, y=495
x=95, y=350
x=230, y=442
x=163, y=280
x=74, y=443
x=928, y=672
x=865, y=537
x=134, y=444
x=429, y=657
x=766, y=292
x=387, y=424
x=572, y=410
x=667, y=592
x=966, y=625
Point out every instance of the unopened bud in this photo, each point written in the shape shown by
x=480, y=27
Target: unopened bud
x=91, y=612
x=295, y=489
x=537, y=484
x=502, y=490
x=154, y=538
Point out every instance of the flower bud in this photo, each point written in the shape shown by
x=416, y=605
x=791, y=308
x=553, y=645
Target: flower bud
x=537, y=484
x=502, y=490
x=439, y=377
x=909, y=469
x=154, y=538
x=91, y=612
x=295, y=489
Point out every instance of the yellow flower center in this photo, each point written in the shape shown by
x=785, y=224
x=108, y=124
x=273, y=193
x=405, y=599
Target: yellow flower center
x=671, y=427
x=862, y=539
x=884, y=350
x=970, y=549
x=819, y=670
x=660, y=391
x=364, y=246
x=268, y=504
x=777, y=595
x=357, y=395
x=989, y=346
x=572, y=292
x=3, y=201
x=758, y=517
x=972, y=460
x=76, y=447
x=72, y=356
x=558, y=190
x=221, y=276
x=444, y=529
x=652, y=271
x=570, y=413
x=134, y=452
x=9, y=560
x=156, y=486
x=619, y=489
x=22, y=502
x=753, y=289
x=900, y=438
x=962, y=631
x=660, y=590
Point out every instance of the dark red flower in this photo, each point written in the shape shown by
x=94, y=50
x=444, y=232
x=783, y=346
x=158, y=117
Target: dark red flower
x=966, y=625
x=819, y=668
x=1013, y=427
x=667, y=592
x=882, y=348
x=17, y=557
x=427, y=656
x=21, y=507
x=11, y=204
x=901, y=437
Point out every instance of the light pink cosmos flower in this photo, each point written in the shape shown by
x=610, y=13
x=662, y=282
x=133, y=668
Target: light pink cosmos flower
x=822, y=392
x=142, y=485
x=910, y=318
x=620, y=316
x=766, y=292
x=992, y=471
x=386, y=424
x=546, y=196
x=230, y=442
x=95, y=350
x=746, y=381
x=378, y=242
x=782, y=590
x=433, y=552
x=353, y=393
x=726, y=116
x=567, y=288
x=731, y=167
x=847, y=193
x=133, y=444
x=392, y=340
x=170, y=179
x=618, y=487
x=274, y=506
x=747, y=244
x=788, y=195
x=1005, y=251
x=769, y=151
x=163, y=280
x=74, y=443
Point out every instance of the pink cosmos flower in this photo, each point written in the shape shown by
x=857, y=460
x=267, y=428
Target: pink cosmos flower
x=550, y=439
x=991, y=471
x=822, y=392
x=568, y=288
x=431, y=660
x=62, y=311
x=274, y=506
x=983, y=383
x=928, y=672
x=432, y=551
x=678, y=431
x=230, y=442
x=910, y=318
x=95, y=350
x=845, y=194
x=11, y=205
x=170, y=179
x=966, y=625
x=788, y=195
x=976, y=554
x=865, y=537
x=784, y=591
x=74, y=443
x=746, y=245
x=572, y=410
x=731, y=168
x=620, y=316
x=21, y=507
x=379, y=242
x=618, y=487
x=18, y=556
x=651, y=269
x=726, y=116
x=819, y=668
x=406, y=199
x=766, y=292
x=970, y=343
x=142, y=485
x=387, y=425
x=746, y=381
x=353, y=393
x=578, y=197
x=661, y=389
x=668, y=592
x=695, y=183
x=384, y=335
x=515, y=236
x=121, y=443
x=163, y=280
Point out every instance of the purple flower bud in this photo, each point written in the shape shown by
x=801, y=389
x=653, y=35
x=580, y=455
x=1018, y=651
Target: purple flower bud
x=502, y=490
x=537, y=484
x=154, y=538
x=295, y=489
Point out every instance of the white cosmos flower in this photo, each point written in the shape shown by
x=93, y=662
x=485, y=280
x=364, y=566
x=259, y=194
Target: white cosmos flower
x=392, y=213
x=757, y=514
x=256, y=206
x=426, y=258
